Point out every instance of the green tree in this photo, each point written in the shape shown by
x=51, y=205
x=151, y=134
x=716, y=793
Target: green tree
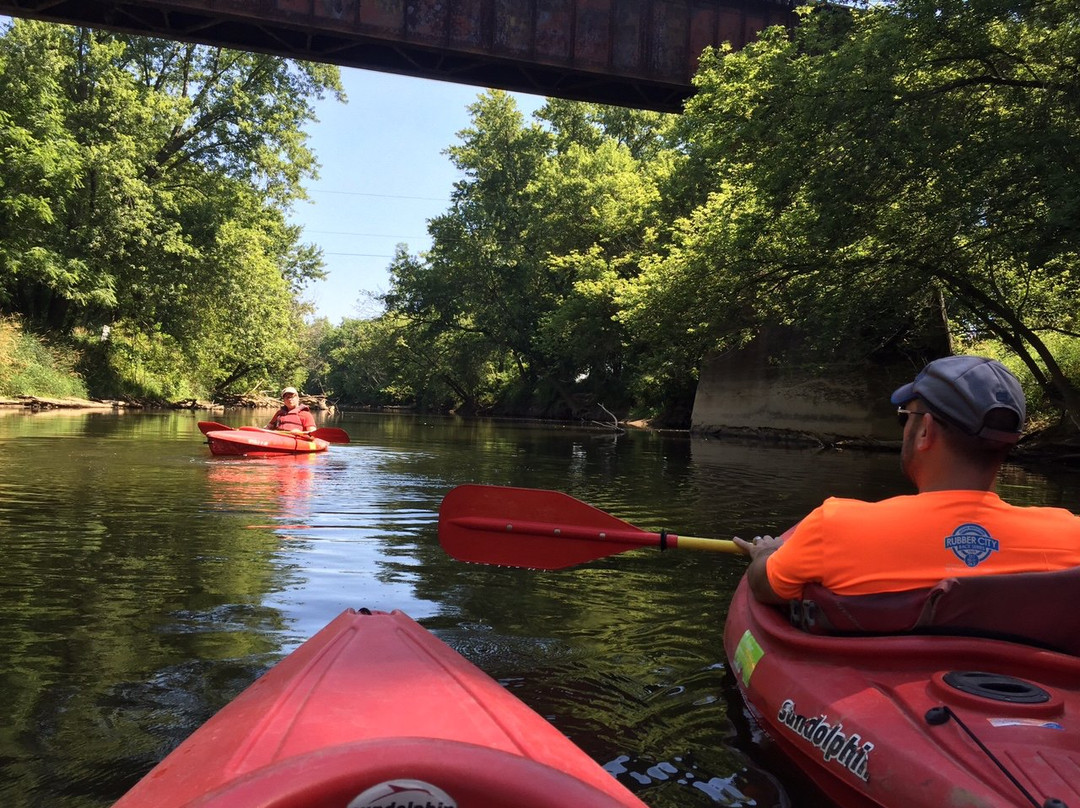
x=549, y=220
x=885, y=160
x=390, y=360
x=148, y=188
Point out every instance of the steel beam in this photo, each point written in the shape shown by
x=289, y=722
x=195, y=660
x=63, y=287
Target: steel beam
x=636, y=53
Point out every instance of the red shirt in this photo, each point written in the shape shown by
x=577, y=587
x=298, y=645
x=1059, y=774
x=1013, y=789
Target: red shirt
x=854, y=547
x=299, y=419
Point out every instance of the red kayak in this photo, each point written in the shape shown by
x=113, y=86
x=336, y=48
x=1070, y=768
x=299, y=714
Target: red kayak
x=251, y=441
x=951, y=717
x=376, y=712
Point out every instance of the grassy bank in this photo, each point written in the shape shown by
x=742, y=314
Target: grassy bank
x=30, y=365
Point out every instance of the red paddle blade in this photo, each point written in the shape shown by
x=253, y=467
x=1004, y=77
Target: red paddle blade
x=331, y=434
x=211, y=426
x=526, y=527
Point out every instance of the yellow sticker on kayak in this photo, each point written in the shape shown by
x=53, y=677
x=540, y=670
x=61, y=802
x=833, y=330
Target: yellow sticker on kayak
x=747, y=655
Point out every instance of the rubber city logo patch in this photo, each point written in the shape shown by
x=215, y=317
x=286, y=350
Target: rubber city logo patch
x=849, y=751
x=972, y=544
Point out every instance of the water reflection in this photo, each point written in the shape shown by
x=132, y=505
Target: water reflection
x=146, y=583
x=277, y=486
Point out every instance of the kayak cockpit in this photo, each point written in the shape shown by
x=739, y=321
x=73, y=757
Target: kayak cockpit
x=410, y=772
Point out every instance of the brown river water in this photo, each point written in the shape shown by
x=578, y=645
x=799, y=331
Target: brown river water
x=145, y=583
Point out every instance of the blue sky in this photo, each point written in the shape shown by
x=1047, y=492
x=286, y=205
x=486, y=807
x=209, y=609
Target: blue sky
x=383, y=175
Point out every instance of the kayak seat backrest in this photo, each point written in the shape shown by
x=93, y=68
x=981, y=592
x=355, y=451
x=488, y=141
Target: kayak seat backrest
x=1034, y=608
x=821, y=611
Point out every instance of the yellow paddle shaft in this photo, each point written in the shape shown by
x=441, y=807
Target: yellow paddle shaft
x=709, y=545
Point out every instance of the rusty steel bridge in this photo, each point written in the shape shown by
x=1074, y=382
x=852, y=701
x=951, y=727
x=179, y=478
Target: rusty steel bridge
x=635, y=53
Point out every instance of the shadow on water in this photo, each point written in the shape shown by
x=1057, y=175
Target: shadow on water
x=146, y=583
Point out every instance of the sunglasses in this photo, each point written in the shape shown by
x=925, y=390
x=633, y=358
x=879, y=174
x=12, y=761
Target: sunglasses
x=902, y=415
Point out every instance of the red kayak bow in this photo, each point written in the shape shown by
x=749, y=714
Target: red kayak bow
x=376, y=711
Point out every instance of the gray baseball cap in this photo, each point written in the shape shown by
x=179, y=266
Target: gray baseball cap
x=964, y=389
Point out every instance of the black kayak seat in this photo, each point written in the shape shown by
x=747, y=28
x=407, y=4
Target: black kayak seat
x=1034, y=608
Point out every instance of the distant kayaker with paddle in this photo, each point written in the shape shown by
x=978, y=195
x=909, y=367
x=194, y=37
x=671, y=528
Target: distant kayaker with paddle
x=293, y=416
x=961, y=416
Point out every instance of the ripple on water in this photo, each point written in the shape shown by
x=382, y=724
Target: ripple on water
x=145, y=583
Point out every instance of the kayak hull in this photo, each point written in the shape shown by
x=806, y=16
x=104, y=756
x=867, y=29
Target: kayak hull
x=375, y=711
x=254, y=442
x=890, y=720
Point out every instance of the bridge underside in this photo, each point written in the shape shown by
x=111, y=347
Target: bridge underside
x=636, y=53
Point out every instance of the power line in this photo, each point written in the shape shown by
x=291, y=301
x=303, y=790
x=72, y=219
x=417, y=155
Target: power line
x=381, y=196
x=371, y=235
x=360, y=255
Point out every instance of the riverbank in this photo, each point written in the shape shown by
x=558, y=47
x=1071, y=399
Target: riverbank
x=1044, y=446
x=39, y=403
x=36, y=403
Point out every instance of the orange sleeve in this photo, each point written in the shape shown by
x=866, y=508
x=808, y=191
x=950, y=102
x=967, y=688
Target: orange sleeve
x=799, y=559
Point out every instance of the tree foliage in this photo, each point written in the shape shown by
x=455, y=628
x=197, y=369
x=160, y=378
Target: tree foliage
x=144, y=185
x=886, y=175
x=880, y=158
x=880, y=174
x=549, y=220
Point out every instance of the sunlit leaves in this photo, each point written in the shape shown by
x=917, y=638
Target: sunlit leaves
x=887, y=170
x=549, y=220
x=880, y=155
x=145, y=183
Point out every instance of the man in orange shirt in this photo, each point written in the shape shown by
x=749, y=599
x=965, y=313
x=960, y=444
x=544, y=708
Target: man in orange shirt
x=961, y=416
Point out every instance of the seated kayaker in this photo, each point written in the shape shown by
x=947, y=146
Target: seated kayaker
x=293, y=416
x=961, y=416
